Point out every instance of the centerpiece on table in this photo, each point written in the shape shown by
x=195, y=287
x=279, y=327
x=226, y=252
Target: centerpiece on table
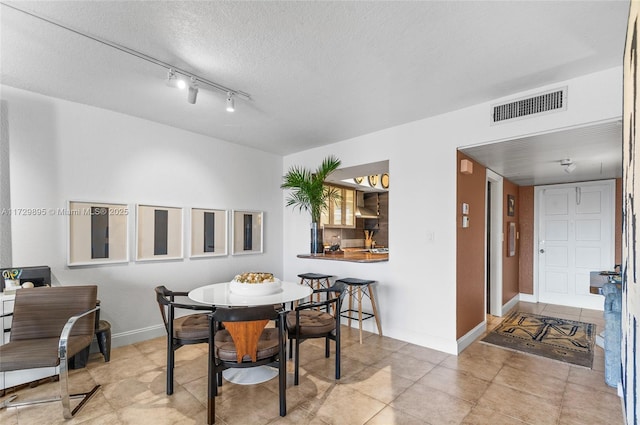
x=309, y=193
x=255, y=283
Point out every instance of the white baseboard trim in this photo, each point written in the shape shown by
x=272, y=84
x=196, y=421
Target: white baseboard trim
x=510, y=304
x=475, y=333
x=528, y=298
x=131, y=337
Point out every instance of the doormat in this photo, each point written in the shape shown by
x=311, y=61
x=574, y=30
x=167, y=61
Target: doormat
x=565, y=340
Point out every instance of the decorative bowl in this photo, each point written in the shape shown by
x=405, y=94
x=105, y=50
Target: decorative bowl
x=264, y=288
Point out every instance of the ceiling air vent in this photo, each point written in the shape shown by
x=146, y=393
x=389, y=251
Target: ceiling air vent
x=551, y=101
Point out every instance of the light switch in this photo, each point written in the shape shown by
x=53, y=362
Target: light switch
x=465, y=208
x=465, y=221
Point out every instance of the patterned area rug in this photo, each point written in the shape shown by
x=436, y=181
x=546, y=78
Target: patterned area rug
x=558, y=339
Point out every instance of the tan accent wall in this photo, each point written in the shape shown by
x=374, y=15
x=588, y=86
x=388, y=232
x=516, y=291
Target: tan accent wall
x=525, y=259
x=470, y=266
x=510, y=263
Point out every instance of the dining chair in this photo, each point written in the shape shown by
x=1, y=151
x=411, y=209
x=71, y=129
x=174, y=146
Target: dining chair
x=317, y=319
x=239, y=338
x=184, y=330
x=50, y=325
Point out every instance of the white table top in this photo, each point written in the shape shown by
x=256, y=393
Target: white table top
x=219, y=294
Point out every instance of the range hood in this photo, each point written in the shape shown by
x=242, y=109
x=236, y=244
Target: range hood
x=361, y=211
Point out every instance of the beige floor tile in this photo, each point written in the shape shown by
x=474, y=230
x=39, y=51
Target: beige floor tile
x=365, y=353
x=343, y=405
x=391, y=416
x=539, y=365
x=521, y=405
x=485, y=416
x=541, y=385
x=423, y=353
x=590, y=378
x=536, y=308
x=586, y=313
x=435, y=406
x=554, y=310
x=404, y=366
x=378, y=384
x=483, y=368
x=121, y=368
x=454, y=382
x=584, y=406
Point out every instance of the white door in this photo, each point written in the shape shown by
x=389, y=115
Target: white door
x=575, y=237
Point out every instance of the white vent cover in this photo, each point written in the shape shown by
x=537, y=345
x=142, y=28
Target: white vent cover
x=551, y=101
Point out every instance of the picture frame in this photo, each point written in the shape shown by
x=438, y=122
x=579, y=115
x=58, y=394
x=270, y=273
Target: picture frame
x=97, y=233
x=248, y=232
x=158, y=233
x=208, y=232
x=511, y=205
x=511, y=239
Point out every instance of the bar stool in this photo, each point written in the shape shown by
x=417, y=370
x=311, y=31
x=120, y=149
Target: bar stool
x=362, y=288
x=315, y=281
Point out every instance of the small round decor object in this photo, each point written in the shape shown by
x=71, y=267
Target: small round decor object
x=358, y=180
x=384, y=181
x=373, y=180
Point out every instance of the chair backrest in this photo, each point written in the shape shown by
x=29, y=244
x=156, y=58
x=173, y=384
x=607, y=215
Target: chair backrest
x=245, y=325
x=42, y=312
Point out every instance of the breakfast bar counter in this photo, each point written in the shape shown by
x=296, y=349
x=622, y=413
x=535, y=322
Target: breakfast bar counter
x=353, y=256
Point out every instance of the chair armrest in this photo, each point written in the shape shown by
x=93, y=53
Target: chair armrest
x=194, y=306
x=66, y=331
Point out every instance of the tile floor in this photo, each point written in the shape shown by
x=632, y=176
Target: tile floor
x=384, y=381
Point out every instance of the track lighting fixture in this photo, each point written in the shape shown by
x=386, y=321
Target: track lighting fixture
x=231, y=105
x=174, y=81
x=568, y=165
x=193, y=91
x=176, y=77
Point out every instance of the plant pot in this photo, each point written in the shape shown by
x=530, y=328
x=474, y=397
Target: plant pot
x=317, y=245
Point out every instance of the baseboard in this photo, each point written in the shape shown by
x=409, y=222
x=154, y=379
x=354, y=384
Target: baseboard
x=472, y=335
x=131, y=337
x=510, y=304
x=528, y=298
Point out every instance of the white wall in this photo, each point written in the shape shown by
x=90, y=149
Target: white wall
x=416, y=292
x=63, y=151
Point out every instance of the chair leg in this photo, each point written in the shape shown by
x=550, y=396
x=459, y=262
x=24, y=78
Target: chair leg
x=296, y=373
x=338, y=352
x=326, y=347
x=211, y=401
x=375, y=309
x=360, y=312
x=170, y=365
x=350, y=304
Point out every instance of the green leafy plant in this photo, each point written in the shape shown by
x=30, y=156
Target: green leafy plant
x=308, y=191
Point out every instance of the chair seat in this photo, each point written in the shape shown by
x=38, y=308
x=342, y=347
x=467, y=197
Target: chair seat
x=193, y=326
x=37, y=352
x=314, y=276
x=268, y=345
x=312, y=322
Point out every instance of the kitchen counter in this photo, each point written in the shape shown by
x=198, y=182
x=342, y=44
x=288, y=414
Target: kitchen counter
x=353, y=256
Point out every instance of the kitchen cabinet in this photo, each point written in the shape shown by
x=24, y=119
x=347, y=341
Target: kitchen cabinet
x=342, y=212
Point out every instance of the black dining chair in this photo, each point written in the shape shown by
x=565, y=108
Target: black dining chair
x=184, y=330
x=317, y=319
x=239, y=338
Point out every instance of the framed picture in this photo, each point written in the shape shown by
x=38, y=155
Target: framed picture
x=511, y=205
x=247, y=235
x=208, y=232
x=97, y=233
x=511, y=237
x=158, y=233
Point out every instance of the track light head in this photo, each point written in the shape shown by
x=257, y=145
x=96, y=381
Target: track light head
x=174, y=81
x=231, y=106
x=568, y=165
x=193, y=91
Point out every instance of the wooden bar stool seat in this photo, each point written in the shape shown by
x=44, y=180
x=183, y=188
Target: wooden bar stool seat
x=361, y=288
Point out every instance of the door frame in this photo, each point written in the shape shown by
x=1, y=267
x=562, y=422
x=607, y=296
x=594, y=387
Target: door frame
x=536, y=226
x=497, y=238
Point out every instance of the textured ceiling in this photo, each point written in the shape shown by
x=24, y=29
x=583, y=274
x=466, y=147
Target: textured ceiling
x=317, y=72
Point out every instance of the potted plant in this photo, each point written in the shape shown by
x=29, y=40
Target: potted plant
x=309, y=193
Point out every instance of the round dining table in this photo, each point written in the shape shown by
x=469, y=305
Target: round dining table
x=221, y=295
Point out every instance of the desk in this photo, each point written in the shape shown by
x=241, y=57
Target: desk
x=218, y=294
